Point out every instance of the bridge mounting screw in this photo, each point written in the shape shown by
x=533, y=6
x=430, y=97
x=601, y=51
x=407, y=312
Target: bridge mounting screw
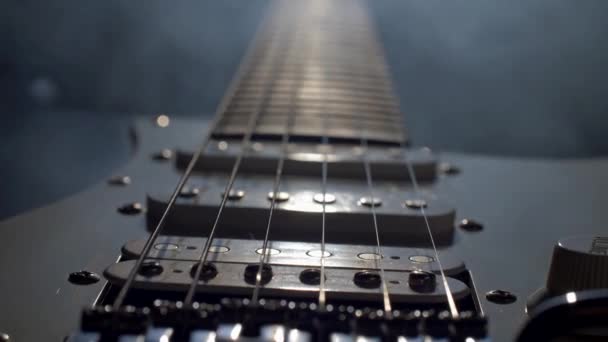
x=471, y=225
x=81, y=278
x=449, y=169
x=163, y=155
x=501, y=297
x=119, y=180
x=131, y=208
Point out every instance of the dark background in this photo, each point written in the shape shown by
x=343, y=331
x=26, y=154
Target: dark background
x=522, y=78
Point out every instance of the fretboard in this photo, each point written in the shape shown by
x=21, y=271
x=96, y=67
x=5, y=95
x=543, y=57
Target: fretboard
x=320, y=64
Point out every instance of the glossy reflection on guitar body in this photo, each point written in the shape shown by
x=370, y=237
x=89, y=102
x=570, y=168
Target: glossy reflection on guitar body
x=306, y=216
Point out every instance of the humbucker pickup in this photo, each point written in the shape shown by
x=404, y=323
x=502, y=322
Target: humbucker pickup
x=288, y=264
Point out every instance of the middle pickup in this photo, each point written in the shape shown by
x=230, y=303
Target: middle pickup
x=298, y=211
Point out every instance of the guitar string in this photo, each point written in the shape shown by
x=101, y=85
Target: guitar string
x=414, y=181
x=217, y=117
x=245, y=146
x=368, y=176
x=324, y=169
x=276, y=192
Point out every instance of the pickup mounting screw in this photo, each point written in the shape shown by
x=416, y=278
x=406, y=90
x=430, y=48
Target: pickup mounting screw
x=367, y=279
x=119, y=180
x=150, y=268
x=131, y=208
x=81, y=278
x=416, y=203
x=189, y=192
x=163, y=155
x=449, y=169
x=501, y=297
x=251, y=272
x=470, y=225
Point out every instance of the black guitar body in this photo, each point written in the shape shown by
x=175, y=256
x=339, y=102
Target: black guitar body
x=434, y=247
x=525, y=206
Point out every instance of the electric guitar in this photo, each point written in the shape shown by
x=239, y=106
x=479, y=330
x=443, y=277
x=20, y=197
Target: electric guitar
x=302, y=212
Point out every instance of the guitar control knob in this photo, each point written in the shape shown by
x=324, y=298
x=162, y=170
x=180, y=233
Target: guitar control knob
x=578, y=263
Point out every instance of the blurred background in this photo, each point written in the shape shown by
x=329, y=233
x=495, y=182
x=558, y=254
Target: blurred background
x=522, y=78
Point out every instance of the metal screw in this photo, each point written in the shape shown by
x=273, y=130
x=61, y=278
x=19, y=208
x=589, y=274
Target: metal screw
x=327, y=199
x=120, y=180
x=4, y=337
x=311, y=276
x=150, y=268
x=422, y=281
x=449, y=169
x=222, y=145
x=367, y=279
x=416, y=204
x=162, y=121
x=501, y=297
x=82, y=278
x=163, y=155
x=471, y=225
x=370, y=202
x=251, y=272
x=234, y=195
x=208, y=272
x=189, y=192
x=131, y=208
x=282, y=196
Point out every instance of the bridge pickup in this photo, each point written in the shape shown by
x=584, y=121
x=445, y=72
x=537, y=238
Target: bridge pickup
x=297, y=254
x=284, y=282
x=305, y=159
x=299, y=216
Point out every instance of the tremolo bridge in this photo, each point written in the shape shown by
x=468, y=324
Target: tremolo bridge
x=288, y=305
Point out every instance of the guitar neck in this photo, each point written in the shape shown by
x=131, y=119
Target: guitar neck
x=319, y=64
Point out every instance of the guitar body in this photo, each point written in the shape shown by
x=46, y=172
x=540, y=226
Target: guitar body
x=307, y=215
x=524, y=205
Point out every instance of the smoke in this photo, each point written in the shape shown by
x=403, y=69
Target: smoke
x=517, y=77
x=523, y=77
x=134, y=56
